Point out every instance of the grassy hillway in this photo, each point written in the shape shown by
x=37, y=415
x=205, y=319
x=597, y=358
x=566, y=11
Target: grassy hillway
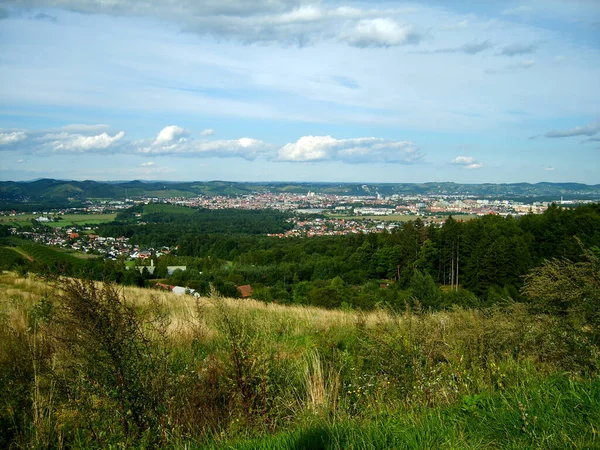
x=84, y=365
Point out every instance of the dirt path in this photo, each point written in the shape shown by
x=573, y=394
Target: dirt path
x=22, y=253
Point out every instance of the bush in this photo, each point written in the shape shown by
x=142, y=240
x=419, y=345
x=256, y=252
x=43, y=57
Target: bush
x=108, y=364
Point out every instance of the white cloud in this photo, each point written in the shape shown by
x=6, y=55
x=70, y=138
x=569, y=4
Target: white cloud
x=468, y=162
x=586, y=130
x=380, y=33
x=207, y=132
x=59, y=141
x=147, y=164
x=169, y=134
x=171, y=140
x=175, y=141
x=76, y=143
x=357, y=150
x=8, y=138
x=298, y=22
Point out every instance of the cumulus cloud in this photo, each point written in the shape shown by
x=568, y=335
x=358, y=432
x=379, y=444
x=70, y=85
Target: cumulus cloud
x=207, y=132
x=357, y=150
x=58, y=141
x=517, y=49
x=74, y=143
x=468, y=162
x=8, y=138
x=380, y=33
x=170, y=134
x=246, y=148
x=586, y=130
x=175, y=141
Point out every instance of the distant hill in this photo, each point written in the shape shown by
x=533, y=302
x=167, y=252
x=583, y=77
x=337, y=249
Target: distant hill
x=67, y=191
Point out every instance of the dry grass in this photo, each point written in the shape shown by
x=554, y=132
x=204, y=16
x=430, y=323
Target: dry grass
x=227, y=366
x=183, y=310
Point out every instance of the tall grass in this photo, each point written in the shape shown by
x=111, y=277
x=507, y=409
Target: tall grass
x=88, y=365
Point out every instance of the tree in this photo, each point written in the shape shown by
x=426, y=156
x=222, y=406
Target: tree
x=425, y=289
x=570, y=290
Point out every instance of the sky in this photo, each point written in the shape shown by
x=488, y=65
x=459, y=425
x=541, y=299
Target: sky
x=300, y=90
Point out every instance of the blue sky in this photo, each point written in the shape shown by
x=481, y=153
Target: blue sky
x=300, y=90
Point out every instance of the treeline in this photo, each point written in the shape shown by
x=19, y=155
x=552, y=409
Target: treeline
x=475, y=262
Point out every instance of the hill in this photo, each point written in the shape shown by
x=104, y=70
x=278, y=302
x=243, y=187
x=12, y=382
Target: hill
x=89, y=366
x=70, y=192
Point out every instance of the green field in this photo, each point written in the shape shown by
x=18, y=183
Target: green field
x=84, y=368
x=39, y=254
x=67, y=220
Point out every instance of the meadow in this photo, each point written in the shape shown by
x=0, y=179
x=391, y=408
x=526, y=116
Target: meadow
x=86, y=365
x=67, y=220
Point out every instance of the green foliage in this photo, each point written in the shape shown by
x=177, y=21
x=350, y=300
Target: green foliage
x=84, y=368
x=171, y=225
x=543, y=416
x=110, y=368
x=570, y=290
x=425, y=290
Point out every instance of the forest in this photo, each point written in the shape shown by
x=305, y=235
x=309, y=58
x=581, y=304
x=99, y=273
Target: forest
x=472, y=263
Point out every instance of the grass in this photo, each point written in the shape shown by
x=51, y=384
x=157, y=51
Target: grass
x=37, y=253
x=67, y=219
x=244, y=374
x=558, y=413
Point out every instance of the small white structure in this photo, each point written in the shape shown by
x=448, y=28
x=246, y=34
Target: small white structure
x=180, y=290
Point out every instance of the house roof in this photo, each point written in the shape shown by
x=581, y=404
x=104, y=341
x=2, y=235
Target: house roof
x=245, y=290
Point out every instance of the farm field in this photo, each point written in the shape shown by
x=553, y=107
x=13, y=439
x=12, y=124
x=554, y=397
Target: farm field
x=66, y=219
x=42, y=254
x=222, y=373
